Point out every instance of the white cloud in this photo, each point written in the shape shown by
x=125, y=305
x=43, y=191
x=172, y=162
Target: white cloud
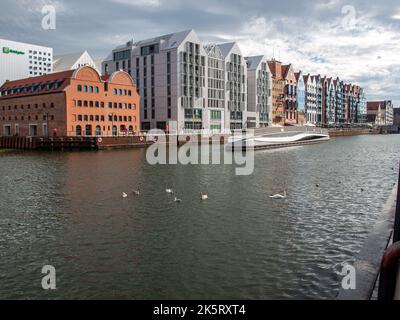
x=366, y=53
x=140, y=3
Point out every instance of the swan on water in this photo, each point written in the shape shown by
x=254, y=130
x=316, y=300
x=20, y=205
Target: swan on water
x=137, y=192
x=124, y=195
x=177, y=200
x=170, y=191
x=279, y=196
x=204, y=196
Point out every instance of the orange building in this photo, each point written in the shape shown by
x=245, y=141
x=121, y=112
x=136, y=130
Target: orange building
x=278, y=93
x=71, y=103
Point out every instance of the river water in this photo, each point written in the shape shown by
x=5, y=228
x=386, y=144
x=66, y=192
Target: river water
x=66, y=210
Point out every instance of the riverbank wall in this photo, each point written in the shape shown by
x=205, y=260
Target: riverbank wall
x=368, y=261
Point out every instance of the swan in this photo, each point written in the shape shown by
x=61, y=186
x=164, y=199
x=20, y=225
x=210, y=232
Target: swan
x=204, y=196
x=177, y=200
x=124, y=195
x=137, y=192
x=170, y=191
x=279, y=196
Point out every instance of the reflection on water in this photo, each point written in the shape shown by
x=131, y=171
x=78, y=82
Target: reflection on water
x=66, y=209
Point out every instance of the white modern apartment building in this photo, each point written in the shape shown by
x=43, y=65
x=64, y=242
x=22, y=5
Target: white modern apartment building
x=170, y=73
x=21, y=60
x=216, y=88
x=259, y=91
x=179, y=79
x=235, y=88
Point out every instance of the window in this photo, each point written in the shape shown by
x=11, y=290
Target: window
x=98, y=131
x=79, y=88
x=97, y=90
x=7, y=131
x=85, y=89
x=78, y=130
x=33, y=130
x=91, y=89
x=79, y=103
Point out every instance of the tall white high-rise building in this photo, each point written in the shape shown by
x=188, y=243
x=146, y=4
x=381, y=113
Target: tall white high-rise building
x=22, y=60
x=259, y=92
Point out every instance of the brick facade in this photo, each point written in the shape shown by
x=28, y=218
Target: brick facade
x=71, y=103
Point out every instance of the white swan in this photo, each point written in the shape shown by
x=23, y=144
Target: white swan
x=137, y=192
x=279, y=196
x=177, y=200
x=204, y=196
x=124, y=195
x=170, y=191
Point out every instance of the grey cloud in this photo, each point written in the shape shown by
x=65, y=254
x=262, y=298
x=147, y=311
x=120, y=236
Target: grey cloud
x=298, y=26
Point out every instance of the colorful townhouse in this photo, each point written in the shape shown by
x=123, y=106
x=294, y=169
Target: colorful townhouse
x=310, y=99
x=278, y=93
x=301, y=98
x=290, y=104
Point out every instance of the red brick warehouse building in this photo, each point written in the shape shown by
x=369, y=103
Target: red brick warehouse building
x=72, y=103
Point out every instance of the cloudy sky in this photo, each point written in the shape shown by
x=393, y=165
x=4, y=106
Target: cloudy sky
x=357, y=40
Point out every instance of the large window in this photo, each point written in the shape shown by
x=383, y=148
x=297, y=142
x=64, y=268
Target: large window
x=152, y=49
x=7, y=131
x=122, y=55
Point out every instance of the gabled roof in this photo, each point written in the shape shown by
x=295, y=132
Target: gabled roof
x=297, y=75
x=254, y=61
x=285, y=69
x=226, y=47
x=66, y=61
x=174, y=39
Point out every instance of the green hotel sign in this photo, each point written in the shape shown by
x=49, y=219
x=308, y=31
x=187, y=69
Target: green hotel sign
x=7, y=50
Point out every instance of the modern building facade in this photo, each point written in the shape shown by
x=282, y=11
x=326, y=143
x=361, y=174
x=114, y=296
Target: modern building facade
x=380, y=112
x=73, y=61
x=259, y=89
x=216, y=88
x=236, y=88
x=171, y=74
x=70, y=103
x=179, y=79
x=21, y=60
